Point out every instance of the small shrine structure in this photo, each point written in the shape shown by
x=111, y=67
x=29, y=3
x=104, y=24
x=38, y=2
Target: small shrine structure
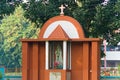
x=61, y=52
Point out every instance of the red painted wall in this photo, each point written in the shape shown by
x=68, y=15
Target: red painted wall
x=76, y=56
x=85, y=60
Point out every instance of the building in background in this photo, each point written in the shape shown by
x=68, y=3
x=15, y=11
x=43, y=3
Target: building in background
x=112, y=56
x=112, y=59
x=110, y=64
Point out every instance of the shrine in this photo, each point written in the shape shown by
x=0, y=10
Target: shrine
x=61, y=52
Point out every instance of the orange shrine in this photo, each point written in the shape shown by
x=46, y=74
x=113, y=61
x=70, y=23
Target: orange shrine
x=61, y=52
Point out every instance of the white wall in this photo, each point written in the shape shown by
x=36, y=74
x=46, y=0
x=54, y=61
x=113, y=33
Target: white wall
x=112, y=55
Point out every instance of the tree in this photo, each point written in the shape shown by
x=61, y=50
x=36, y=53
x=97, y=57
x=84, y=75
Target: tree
x=106, y=21
x=102, y=23
x=5, y=8
x=41, y=11
x=116, y=23
x=83, y=10
x=85, y=13
x=14, y=28
x=99, y=20
x=93, y=15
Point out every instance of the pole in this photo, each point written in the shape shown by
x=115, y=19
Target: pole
x=105, y=63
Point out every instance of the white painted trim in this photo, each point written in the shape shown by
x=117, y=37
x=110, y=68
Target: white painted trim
x=70, y=55
x=67, y=26
x=47, y=55
x=64, y=54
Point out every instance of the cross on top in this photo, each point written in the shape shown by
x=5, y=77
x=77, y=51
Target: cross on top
x=62, y=8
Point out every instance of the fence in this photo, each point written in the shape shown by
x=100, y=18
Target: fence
x=16, y=74
x=110, y=78
x=101, y=78
x=13, y=78
x=10, y=70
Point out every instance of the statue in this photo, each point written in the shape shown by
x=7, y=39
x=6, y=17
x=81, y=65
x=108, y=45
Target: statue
x=59, y=60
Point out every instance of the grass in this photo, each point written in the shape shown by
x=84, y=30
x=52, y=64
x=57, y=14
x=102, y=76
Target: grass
x=13, y=74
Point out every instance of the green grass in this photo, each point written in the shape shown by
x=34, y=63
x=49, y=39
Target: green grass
x=13, y=74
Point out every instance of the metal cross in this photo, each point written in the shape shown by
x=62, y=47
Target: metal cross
x=62, y=8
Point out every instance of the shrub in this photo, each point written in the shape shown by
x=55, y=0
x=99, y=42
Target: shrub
x=1, y=75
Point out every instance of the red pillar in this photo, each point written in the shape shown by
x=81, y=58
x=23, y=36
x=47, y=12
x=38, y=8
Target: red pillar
x=24, y=61
x=85, y=61
x=95, y=68
x=35, y=61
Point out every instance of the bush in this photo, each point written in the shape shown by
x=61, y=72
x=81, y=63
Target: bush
x=1, y=75
x=8, y=79
x=119, y=68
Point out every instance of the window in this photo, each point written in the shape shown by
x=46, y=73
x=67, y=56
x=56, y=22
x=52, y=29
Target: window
x=68, y=55
x=55, y=55
x=58, y=55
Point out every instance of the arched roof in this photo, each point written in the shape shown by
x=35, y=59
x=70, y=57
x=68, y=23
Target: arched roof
x=69, y=26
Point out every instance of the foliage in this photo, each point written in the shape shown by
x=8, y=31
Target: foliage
x=5, y=8
x=85, y=14
x=1, y=42
x=13, y=28
x=41, y=11
x=98, y=20
x=83, y=11
x=116, y=23
x=102, y=54
x=119, y=68
x=1, y=75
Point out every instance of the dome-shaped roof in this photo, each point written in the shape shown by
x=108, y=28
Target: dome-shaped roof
x=61, y=27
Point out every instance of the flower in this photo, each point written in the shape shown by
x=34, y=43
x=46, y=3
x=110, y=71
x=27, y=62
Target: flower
x=58, y=65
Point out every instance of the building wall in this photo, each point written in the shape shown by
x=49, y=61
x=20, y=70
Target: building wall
x=112, y=59
x=77, y=61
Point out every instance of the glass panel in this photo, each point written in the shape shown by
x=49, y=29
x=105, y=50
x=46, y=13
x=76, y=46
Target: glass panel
x=68, y=55
x=56, y=55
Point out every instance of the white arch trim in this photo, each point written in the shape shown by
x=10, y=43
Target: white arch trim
x=67, y=26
